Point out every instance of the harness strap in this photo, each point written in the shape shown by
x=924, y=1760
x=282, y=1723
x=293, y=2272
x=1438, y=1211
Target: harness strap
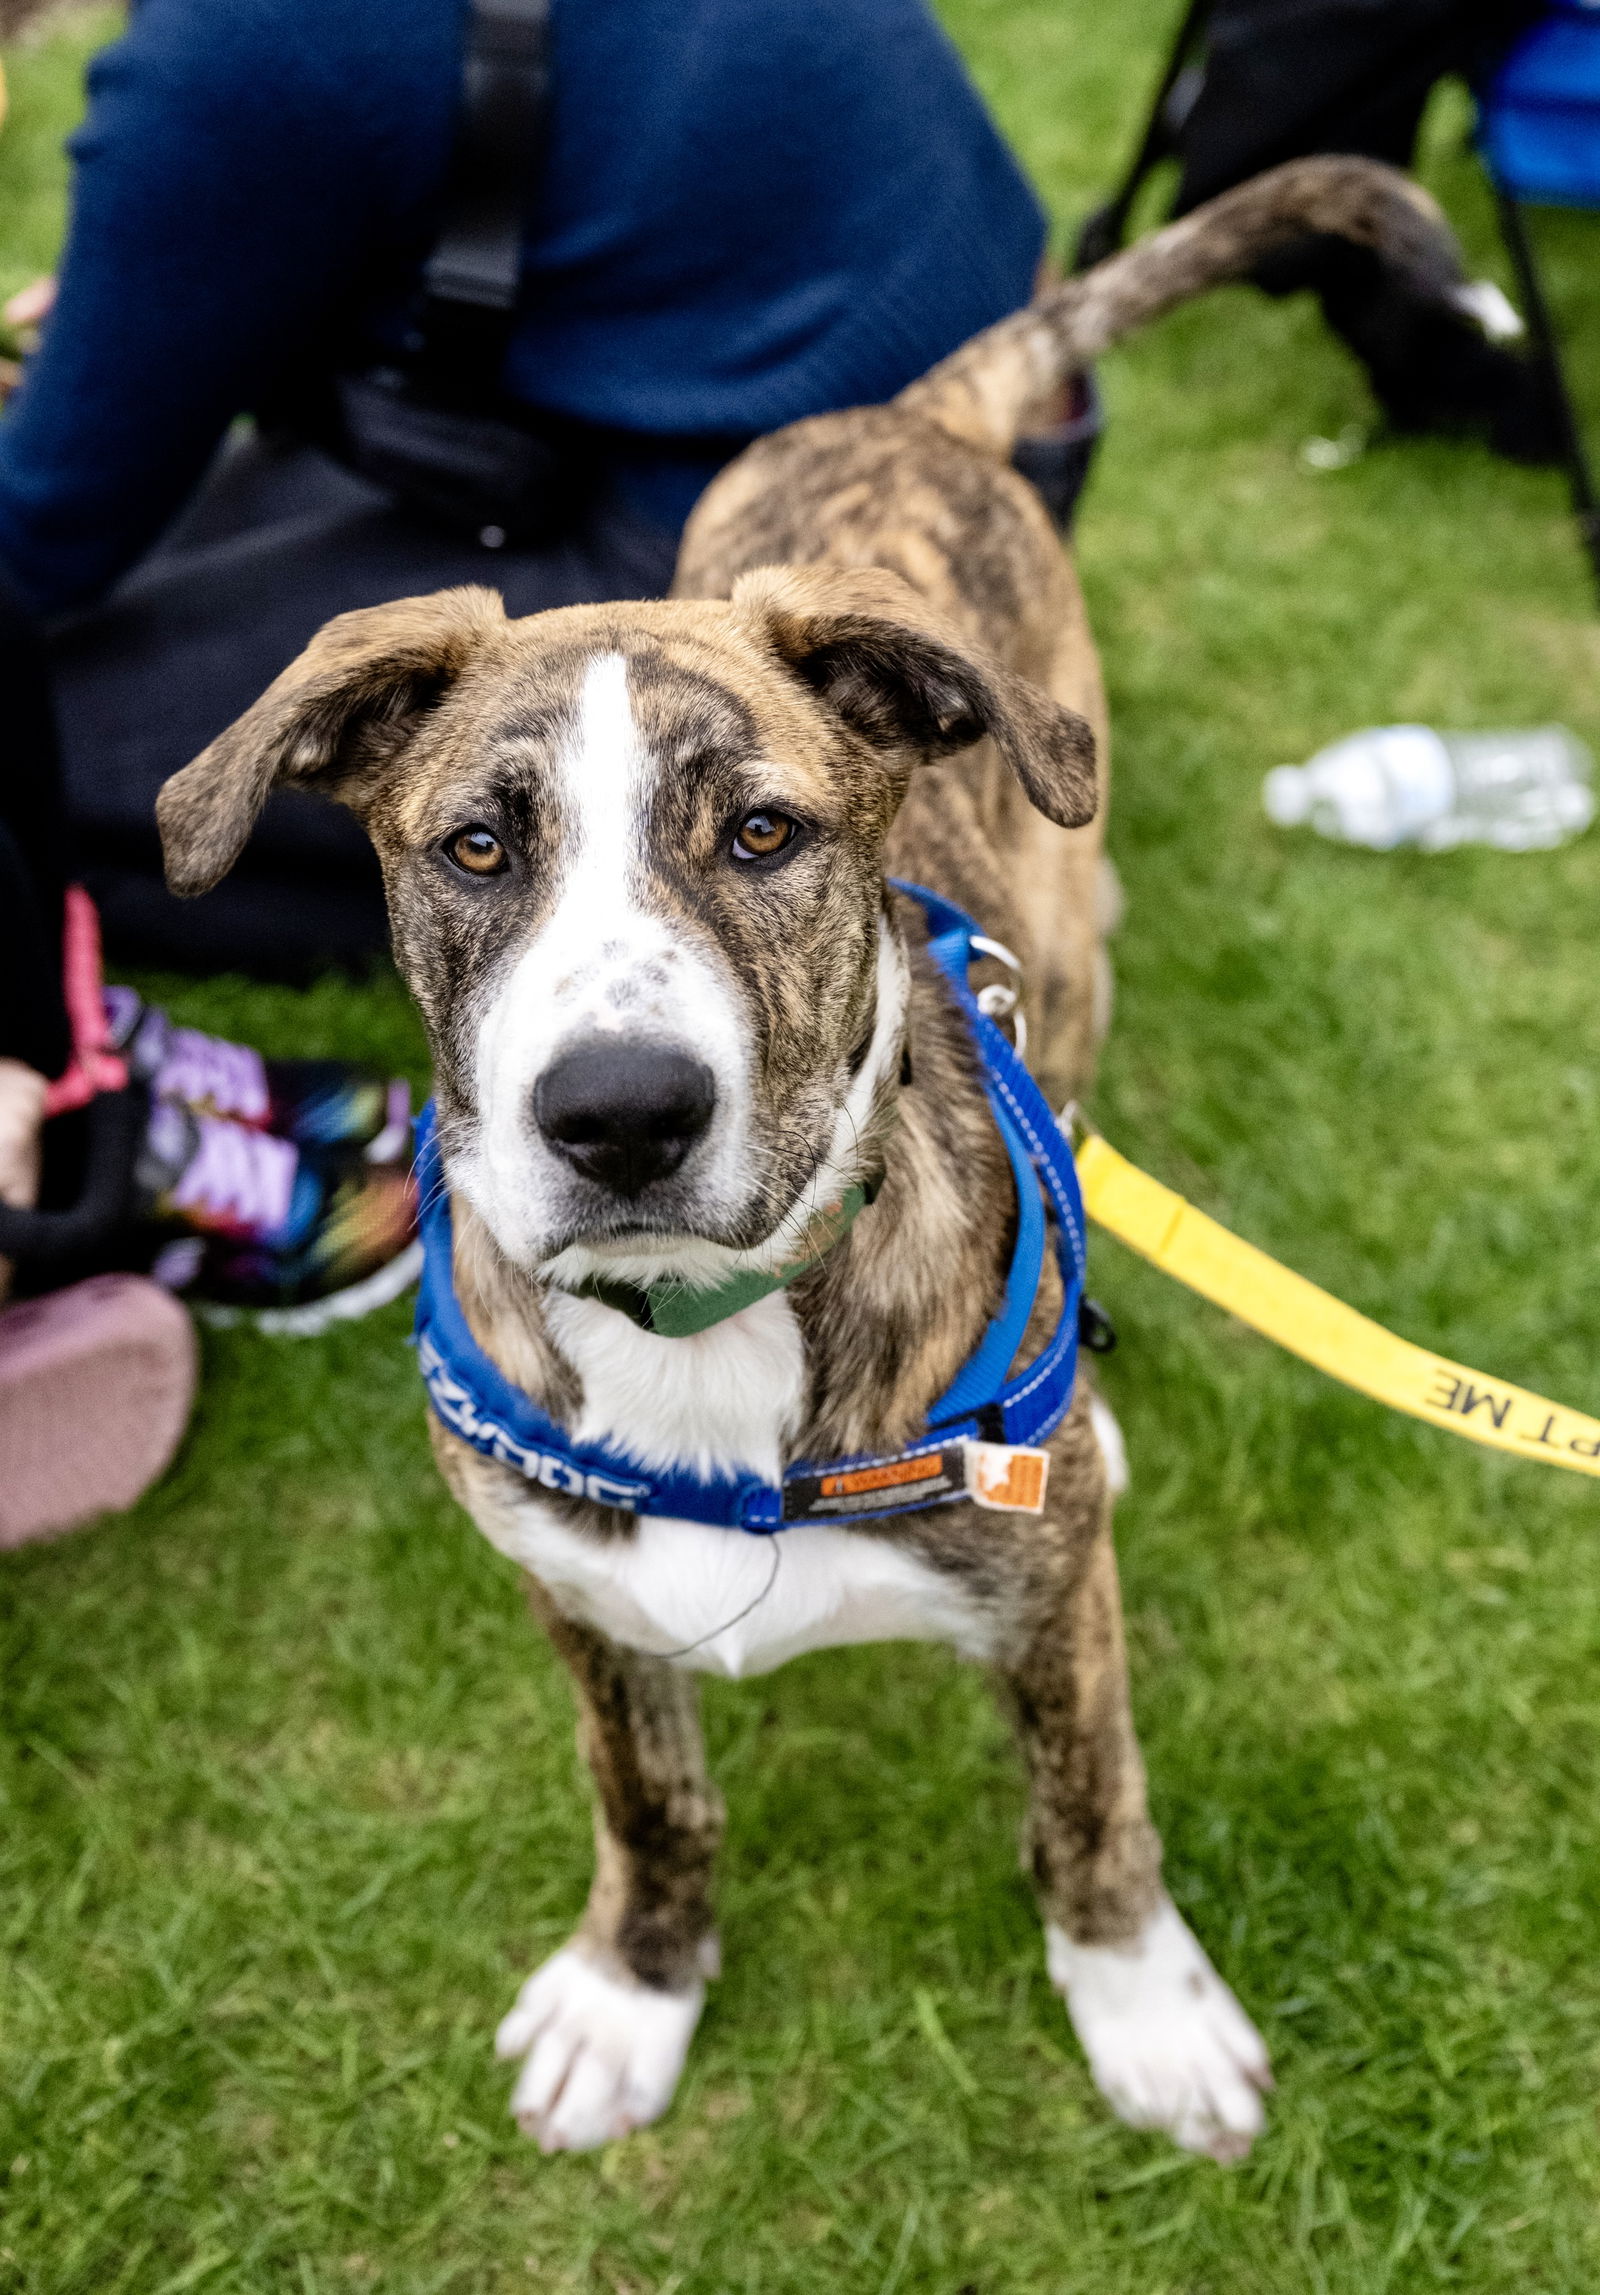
x=980, y=1377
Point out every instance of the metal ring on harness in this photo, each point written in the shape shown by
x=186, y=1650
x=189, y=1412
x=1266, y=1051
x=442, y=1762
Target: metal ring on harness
x=1002, y=1000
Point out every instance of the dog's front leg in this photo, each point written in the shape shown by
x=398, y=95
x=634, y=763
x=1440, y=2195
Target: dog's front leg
x=1168, y=2044
x=604, y=2026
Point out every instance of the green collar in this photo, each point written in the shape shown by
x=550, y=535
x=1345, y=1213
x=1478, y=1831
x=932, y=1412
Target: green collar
x=677, y=1311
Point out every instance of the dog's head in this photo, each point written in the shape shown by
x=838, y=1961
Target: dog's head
x=634, y=863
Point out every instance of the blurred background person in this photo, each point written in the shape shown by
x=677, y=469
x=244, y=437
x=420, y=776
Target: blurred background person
x=726, y=215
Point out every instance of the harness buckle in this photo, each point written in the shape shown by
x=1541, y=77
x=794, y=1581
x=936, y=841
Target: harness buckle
x=1074, y=1126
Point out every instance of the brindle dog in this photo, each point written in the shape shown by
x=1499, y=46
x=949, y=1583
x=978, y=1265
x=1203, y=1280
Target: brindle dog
x=635, y=859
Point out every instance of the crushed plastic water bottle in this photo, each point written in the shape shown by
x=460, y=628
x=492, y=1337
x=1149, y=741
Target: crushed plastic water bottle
x=1408, y=785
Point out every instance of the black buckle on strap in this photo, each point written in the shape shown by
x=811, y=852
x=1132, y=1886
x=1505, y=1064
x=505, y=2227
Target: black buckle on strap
x=473, y=274
x=433, y=424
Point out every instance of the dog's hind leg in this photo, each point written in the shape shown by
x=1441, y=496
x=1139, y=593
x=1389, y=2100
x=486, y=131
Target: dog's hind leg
x=604, y=2026
x=1168, y=2044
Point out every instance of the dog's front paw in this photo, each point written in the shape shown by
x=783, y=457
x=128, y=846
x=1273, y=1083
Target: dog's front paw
x=602, y=2052
x=1168, y=2044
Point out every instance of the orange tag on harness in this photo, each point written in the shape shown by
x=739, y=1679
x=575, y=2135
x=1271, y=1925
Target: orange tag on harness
x=1012, y=1481
x=883, y=1486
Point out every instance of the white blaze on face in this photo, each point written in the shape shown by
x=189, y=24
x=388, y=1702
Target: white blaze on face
x=602, y=964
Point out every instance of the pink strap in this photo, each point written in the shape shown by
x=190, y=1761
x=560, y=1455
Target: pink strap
x=93, y=1067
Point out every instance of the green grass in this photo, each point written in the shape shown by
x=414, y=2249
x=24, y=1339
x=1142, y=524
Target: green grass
x=43, y=73
x=290, y=1796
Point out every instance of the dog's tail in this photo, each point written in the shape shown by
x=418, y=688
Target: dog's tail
x=983, y=392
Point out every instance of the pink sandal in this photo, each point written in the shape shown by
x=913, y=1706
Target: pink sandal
x=96, y=1385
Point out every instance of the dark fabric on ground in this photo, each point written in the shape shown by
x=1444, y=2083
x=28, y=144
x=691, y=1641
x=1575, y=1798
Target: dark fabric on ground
x=279, y=540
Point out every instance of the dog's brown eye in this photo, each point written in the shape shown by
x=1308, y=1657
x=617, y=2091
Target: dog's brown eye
x=762, y=834
x=479, y=851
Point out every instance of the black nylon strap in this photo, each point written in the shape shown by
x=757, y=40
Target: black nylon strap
x=472, y=276
x=115, y=1125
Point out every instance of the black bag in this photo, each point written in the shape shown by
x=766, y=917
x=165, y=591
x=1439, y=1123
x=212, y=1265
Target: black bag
x=493, y=475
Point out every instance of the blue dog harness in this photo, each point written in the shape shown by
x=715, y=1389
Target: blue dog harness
x=982, y=1434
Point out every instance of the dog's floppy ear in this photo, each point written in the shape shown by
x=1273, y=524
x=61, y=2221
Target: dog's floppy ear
x=331, y=722
x=903, y=677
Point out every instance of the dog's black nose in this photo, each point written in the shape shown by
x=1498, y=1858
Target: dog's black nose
x=624, y=1113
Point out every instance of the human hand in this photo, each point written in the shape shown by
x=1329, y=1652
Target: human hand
x=30, y=306
x=21, y=1122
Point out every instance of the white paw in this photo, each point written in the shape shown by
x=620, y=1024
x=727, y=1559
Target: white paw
x=603, y=2053
x=1168, y=2044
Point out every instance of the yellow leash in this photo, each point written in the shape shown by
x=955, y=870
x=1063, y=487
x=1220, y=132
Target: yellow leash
x=1195, y=1251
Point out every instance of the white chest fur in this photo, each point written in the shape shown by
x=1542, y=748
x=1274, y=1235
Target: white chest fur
x=721, y=1601
x=718, y=1601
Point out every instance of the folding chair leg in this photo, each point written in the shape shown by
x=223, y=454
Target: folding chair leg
x=1585, y=506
